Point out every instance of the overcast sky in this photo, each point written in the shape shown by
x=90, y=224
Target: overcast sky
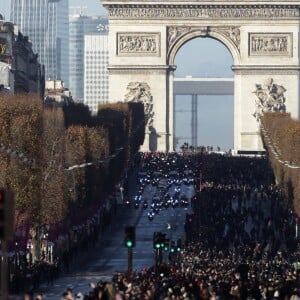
x=201, y=57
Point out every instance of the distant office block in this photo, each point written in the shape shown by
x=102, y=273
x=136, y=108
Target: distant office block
x=45, y=22
x=79, y=26
x=95, y=70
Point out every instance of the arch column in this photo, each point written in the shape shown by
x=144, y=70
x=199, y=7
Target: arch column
x=194, y=121
x=159, y=78
x=170, y=110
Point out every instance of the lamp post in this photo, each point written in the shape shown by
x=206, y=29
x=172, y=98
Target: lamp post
x=296, y=229
x=51, y=246
x=16, y=257
x=29, y=254
x=44, y=245
x=17, y=266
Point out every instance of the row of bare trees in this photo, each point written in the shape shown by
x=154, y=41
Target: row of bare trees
x=283, y=146
x=42, y=148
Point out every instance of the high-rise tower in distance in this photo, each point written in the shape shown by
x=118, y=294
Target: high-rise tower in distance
x=96, y=85
x=46, y=24
x=79, y=26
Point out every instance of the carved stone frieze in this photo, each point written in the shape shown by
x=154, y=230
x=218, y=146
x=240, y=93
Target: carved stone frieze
x=270, y=97
x=174, y=33
x=266, y=44
x=3, y=46
x=202, y=12
x=2, y=49
x=138, y=43
x=233, y=33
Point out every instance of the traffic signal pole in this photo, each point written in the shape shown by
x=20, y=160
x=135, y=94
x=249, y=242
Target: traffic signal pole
x=4, y=270
x=129, y=262
x=156, y=260
x=129, y=242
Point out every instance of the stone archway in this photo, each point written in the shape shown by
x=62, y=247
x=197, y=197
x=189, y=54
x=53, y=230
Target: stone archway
x=177, y=36
x=261, y=36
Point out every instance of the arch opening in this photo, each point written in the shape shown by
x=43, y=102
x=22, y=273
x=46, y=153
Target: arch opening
x=203, y=94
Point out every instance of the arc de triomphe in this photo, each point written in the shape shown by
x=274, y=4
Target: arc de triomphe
x=262, y=36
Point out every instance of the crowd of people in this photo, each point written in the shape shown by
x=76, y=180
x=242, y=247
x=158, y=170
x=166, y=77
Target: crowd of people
x=30, y=274
x=240, y=239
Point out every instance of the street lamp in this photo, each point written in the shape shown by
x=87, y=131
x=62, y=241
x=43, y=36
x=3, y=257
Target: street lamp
x=16, y=256
x=29, y=249
x=44, y=242
x=51, y=246
x=296, y=229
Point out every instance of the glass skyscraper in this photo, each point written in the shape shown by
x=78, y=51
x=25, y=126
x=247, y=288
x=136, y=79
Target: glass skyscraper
x=46, y=24
x=80, y=26
x=95, y=71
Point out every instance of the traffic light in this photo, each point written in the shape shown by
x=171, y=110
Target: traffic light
x=129, y=239
x=6, y=214
x=173, y=248
x=179, y=245
x=156, y=240
x=159, y=240
x=162, y=238
x=166, y=245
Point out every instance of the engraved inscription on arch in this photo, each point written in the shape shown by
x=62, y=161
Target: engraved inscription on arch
x=138, y=43
x=269, y=44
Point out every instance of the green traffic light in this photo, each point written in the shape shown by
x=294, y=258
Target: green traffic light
x=172, y=250
x=129, y=244
x=178, y=249
x=166, y=248
x=157, y=246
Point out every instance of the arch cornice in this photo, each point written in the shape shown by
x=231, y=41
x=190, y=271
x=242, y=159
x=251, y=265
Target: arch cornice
x=205, y=2
x=178, y=36
x=195, y=11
